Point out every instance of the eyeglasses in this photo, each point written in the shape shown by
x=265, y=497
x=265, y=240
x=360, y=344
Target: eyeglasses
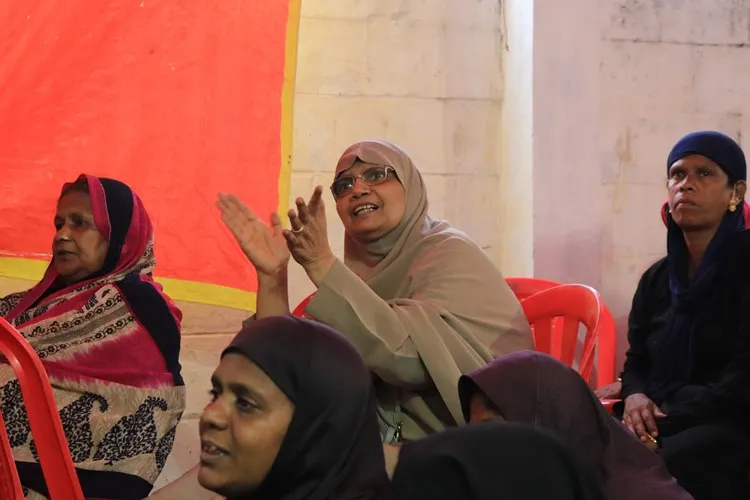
x=372, y=176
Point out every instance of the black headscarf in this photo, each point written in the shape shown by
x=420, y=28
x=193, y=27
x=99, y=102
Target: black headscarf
x=490, y=461
x=536, y=389
x=332, y=449
x=675, y=356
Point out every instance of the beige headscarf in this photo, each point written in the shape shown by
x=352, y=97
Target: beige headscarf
x=367, y=260
x=440, y=307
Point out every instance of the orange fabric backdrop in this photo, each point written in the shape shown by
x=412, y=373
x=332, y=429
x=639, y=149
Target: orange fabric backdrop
x=181, y=99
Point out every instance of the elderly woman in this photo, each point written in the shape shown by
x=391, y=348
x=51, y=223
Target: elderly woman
x=420, y=301
x=109, y=340
x=686, y=380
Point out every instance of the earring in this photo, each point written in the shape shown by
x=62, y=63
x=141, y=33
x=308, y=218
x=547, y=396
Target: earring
x=733, y=205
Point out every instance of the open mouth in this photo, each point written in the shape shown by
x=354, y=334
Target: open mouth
x=210, y=451
x=364, y=209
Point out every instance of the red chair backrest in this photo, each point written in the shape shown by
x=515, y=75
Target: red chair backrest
x=44, y=420
x=10, y=486
x=573, y=305
x=606, y=349
x=526, y=287
x=299, y=311
x=606, y=341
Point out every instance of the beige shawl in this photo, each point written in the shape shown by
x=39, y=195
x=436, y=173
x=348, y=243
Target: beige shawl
x=423, y=305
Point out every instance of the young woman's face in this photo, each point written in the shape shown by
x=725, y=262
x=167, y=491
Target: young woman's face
x=242, y=428
x=78, y=248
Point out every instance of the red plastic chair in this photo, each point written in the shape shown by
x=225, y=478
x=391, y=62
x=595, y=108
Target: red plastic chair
x=606, y=340
x=299, y=311
x=10, y=486
x=526, y=287
x=44, y=420
x=574, y=304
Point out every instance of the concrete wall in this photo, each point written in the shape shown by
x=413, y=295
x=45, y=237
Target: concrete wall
x=614, y=84
x=668, y=67
x=423, y=74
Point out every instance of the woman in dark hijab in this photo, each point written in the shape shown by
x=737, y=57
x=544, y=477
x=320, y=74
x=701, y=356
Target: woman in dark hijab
x=490, y=461
x=686, y=379
x=534, y=388
x=292, y=417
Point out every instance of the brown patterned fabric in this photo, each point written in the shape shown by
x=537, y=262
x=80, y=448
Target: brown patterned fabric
x=110, y=345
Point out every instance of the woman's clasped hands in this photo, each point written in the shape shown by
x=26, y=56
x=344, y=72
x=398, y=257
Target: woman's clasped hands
x=268, y=246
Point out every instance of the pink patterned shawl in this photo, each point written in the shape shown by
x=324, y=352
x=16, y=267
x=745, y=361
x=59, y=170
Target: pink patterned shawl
x=110, y=344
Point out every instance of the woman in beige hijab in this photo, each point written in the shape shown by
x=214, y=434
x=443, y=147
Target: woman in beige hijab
x=421, y=302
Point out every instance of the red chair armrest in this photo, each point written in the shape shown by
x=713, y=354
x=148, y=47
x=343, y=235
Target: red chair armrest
x=608, y=404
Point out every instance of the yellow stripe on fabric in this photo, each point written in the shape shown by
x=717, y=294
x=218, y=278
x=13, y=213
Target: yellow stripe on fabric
x=192, y=291
x=287, y=106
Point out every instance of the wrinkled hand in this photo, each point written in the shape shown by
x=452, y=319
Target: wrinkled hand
x=308, y=238
x=265, y=246
x=610, y=391
x=640, y=416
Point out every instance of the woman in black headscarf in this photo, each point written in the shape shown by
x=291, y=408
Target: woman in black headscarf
x=292, y=417
x=490, y=461
x=536, y=389
x=686, y=380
